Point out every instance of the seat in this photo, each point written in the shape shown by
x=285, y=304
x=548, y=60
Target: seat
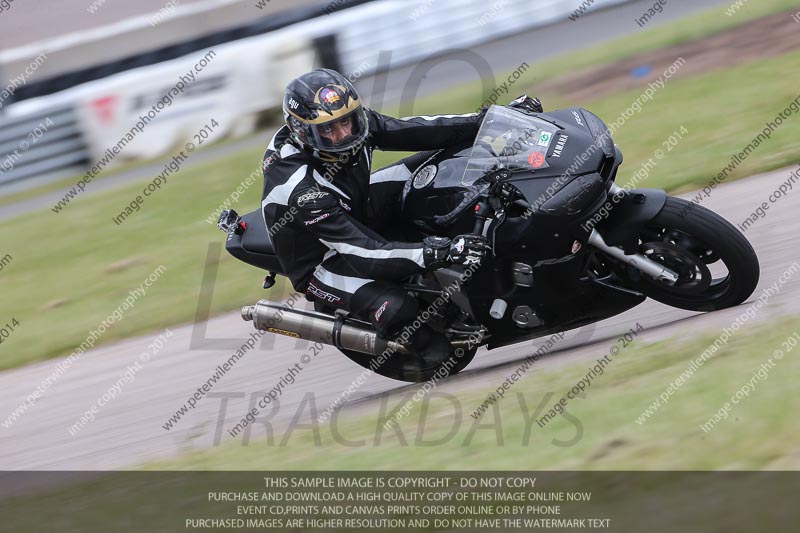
x=256, y=238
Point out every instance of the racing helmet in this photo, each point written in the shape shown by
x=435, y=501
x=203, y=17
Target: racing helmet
x=324, y=114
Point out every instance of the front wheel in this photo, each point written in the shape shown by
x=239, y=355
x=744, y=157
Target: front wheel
x=716, y=265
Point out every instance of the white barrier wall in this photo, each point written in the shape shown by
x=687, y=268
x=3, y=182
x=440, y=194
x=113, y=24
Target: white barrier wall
x=153, y=110
x=417, y=29
x=237, y=80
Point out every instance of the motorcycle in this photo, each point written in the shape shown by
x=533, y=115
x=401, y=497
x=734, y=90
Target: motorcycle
x=569, y=247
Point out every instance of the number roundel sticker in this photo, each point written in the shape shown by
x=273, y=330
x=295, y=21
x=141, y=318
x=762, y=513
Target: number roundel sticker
x=536, y=159
x=425, y=176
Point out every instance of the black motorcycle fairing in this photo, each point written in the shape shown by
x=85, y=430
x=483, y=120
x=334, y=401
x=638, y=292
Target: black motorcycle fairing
x=563, y=296
x=574, y=197
x=629, y=212
x=558, y=140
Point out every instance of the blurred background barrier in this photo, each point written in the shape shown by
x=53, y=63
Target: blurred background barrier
x=96, y=90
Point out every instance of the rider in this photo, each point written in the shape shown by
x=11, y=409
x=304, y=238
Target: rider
x=323, y=208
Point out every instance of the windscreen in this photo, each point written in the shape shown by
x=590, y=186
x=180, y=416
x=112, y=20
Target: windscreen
x=508, y=139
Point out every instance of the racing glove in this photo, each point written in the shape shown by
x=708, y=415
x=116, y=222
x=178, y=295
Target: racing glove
x=435, y=252
x=467, y=249
x=526, y=103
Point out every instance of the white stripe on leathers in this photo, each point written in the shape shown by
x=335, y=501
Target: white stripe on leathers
x=413, y=254
x=344, y=283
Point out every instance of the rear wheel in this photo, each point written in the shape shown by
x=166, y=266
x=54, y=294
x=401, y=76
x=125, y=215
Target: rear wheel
x=407, y=367
x=414, y=369
x=716, y=265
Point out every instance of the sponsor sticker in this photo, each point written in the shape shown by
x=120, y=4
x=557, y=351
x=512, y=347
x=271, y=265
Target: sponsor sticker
x=284, y=332
x=536, y=159
x=315, y=220
x=544, y=139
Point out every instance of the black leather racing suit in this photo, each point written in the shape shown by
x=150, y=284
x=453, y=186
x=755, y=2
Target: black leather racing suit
x=323, y=217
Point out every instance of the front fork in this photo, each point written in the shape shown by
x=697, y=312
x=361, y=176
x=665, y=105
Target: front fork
x=638, y=261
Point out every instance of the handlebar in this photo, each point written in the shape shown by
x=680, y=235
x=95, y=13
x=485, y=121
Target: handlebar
x=472, y=194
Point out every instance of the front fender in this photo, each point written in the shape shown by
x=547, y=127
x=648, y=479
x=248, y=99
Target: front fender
x=629, y=214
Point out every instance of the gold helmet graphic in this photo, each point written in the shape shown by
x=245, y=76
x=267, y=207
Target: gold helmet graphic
x=324, y=113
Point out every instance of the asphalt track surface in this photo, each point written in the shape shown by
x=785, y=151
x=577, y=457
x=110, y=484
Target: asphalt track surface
x=433, y=76
x=128, y=430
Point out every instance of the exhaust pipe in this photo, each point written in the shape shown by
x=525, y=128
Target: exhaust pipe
x=317, y=327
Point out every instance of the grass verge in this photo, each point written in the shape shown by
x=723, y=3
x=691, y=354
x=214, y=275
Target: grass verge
x=597, y=432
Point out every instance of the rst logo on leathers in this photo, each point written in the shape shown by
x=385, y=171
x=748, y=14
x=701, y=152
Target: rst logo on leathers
x=381, y=309
x=313, y=195
x=425, y=176
x=322, y=295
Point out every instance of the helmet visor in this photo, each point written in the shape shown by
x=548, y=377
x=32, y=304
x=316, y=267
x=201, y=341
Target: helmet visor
x=340, y=134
